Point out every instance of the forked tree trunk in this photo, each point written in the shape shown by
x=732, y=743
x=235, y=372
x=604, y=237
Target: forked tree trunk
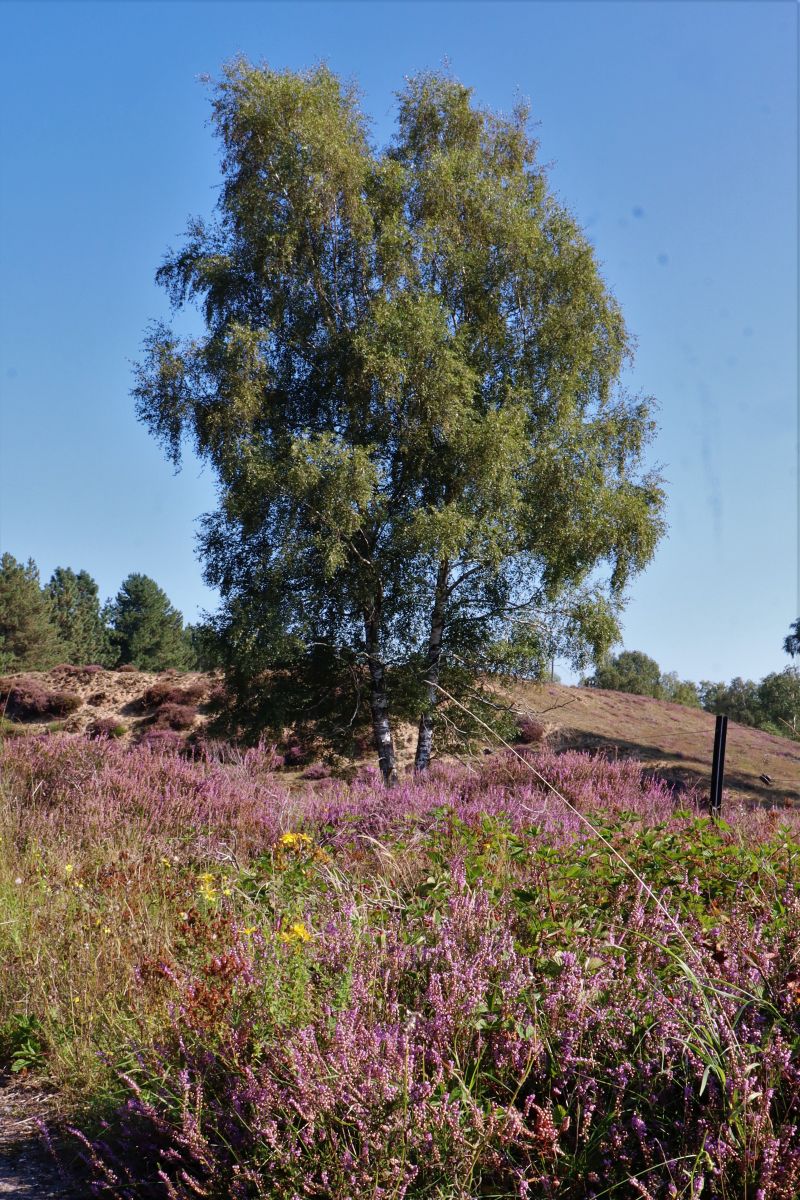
x=422, y=757
x=379, y=700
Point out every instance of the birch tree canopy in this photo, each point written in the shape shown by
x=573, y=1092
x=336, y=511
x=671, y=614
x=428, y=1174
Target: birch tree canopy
x=408, y=386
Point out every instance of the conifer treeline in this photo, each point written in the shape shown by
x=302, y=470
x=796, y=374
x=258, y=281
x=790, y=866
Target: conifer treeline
x=63, y=621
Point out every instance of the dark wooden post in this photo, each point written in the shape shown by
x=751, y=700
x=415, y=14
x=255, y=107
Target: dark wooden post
x=718, y=765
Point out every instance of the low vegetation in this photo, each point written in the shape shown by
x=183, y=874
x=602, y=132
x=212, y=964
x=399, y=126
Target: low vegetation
x=471, y=985
x=25, y=698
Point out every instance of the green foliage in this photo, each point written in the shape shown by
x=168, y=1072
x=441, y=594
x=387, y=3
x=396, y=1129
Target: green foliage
x=630, y=671
x=773, y=704
x=28, y=636
x=738, y=700
x=22, y=1045
x=634, y=672
x=144, y=629
x=792, y=642
x=75, y=607
x=679, y=691
x=206, y=652
x=779, y=701
x=408, y=389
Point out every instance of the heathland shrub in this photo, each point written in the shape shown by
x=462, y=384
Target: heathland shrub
x=82, y=673
x=530, y=731
x=218, y=697
x=105, y=727
x=163, y=740
x=449, y=990
x=175, y=716
x=25, y=698
x=295, y=755
x=165, y=692
x=317, y=770
x=452, y=1061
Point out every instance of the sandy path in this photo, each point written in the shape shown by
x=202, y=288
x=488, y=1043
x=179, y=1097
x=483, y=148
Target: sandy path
x=26, y=1175
x=27, y=1172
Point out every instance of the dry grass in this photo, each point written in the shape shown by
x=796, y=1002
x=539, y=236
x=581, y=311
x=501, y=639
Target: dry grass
x=676, y=740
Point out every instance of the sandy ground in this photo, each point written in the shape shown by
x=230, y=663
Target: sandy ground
x=27, y=1170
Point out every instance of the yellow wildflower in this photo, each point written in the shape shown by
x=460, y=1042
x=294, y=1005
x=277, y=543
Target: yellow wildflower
x=68, y=869
x=249, y=930
x=296, y=932
x=207, y=889
x=295, y=841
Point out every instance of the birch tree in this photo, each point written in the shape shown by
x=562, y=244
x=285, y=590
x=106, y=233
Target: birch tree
x=408, y=387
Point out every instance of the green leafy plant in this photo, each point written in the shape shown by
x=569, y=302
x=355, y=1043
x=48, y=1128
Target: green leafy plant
x=22, y=1043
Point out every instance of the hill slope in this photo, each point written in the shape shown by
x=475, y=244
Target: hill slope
x=117, y=697
x=671, y=738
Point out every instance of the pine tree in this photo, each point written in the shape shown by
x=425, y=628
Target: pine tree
x=75, y=607
x=144, y=628
x=29, y=639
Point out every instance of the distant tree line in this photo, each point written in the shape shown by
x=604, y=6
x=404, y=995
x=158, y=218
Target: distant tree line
x=772, y=704
x=63, y=621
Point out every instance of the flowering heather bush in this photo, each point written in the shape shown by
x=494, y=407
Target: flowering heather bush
x=317, y=770
x=437, y=1056
x=295, y=755
x=238, y=794
x=451, y=990
x=25, y=698
x=175, y=716
x=163, y=741
x=165, y=692
x=82, y=673
x=218, y=696
x=105, y=727
x=529, y=731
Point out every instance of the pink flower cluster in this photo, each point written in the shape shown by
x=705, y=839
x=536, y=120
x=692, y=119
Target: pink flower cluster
x=443, y=1059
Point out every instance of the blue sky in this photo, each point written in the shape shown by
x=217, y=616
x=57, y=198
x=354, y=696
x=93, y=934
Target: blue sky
x=671, y=130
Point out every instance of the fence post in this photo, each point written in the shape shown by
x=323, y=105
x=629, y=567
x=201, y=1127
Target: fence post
x=718, y=765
